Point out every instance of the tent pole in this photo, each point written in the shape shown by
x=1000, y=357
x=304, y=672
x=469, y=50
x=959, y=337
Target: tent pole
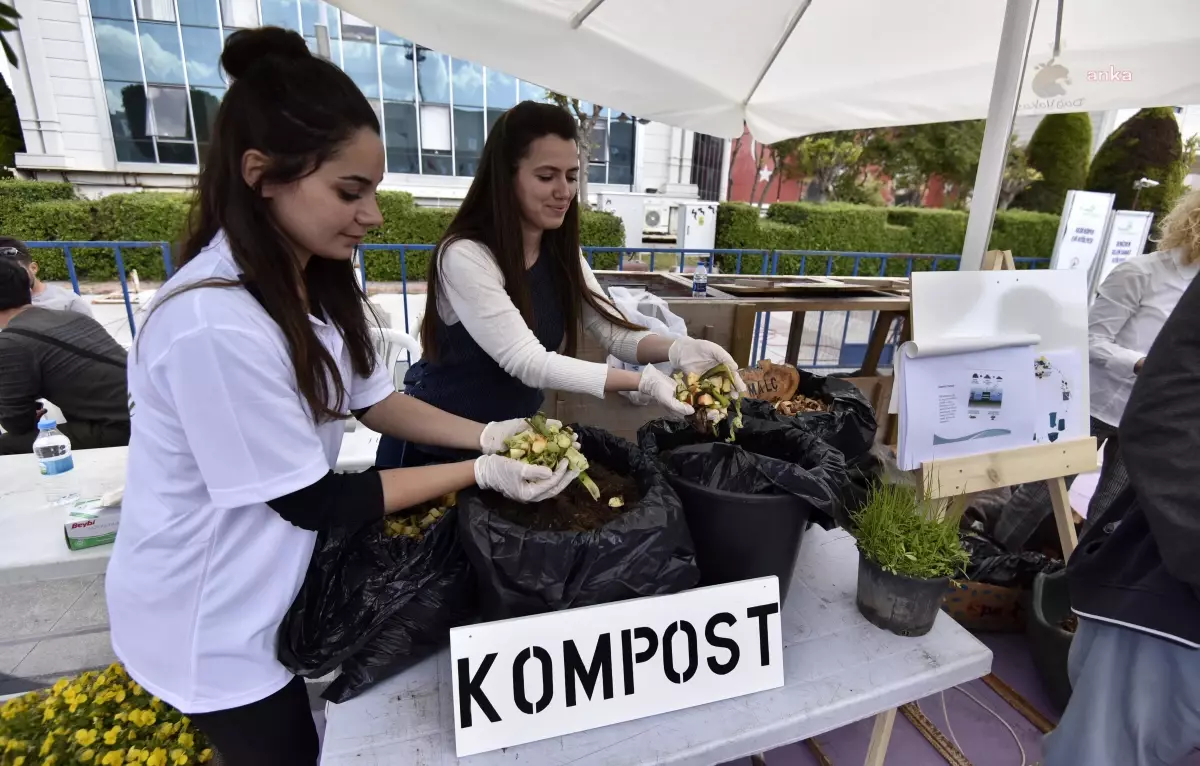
x=1006, y=90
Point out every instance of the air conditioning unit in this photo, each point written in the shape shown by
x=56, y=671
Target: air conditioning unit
x=658, y=217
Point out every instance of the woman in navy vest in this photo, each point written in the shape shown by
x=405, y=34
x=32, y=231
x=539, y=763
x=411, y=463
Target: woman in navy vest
x=509, y=291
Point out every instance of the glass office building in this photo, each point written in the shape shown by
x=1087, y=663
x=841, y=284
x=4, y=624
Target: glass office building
x=160, y=61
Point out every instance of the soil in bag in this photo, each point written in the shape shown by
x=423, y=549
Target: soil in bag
x=574, y=551
x=574, y=510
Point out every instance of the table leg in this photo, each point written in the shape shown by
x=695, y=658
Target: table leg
x=743, y=334
x=795, y=334
x=758, y=759
x=1060, y=498
x=881, y=733
x=879, y=334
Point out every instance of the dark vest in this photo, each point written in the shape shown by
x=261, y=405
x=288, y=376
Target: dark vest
x=467, y=382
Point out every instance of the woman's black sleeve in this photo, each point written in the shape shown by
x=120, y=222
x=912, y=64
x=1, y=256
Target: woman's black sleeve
x=335, y=500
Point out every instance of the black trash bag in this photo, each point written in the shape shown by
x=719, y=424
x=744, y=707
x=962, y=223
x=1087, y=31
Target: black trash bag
x=991, y=564
x=767, y=457
x=646, y=551
x=376, y=605
x=849, y=425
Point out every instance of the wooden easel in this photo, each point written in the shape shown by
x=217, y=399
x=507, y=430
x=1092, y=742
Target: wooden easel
x=1051, y=463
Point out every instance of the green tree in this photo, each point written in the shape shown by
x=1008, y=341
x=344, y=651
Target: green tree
x=821, y=159
x=8, y=23
x=1174, y=188
x=587, y=115
x=1147, y=145
x=1059, y=149
x=11, y=138
x=1019, y=174
x=913, y=154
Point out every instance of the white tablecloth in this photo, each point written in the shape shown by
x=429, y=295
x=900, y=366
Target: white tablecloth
x=32, y=547
x=838, y=668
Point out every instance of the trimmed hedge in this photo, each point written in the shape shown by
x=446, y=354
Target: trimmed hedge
x=1060, y=149
x=867, y=229
x=1147, y=145
x=35, y=211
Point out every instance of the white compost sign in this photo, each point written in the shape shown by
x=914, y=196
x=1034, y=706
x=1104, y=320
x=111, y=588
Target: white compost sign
x=532, y=678
x=1081, y=232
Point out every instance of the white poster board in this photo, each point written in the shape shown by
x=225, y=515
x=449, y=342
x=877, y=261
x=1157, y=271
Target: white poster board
x=532, y=678
x=1081, y=230
x=1127, y=233
x=951, y=307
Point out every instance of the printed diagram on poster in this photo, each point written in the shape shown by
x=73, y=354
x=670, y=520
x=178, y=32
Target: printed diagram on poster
x=1057, y=376
x=965, y=399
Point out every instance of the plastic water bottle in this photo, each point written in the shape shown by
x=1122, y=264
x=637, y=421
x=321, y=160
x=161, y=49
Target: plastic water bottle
x=700, y=279
x=53, y=451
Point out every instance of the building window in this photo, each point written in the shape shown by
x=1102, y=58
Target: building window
x=531, y=92
x=118, y=47
x=169, y=113
x=620, y=151
x=281, y=13
x=155, y=10
x=202, y=52
x=396, y=61
x=403, y=154
x=198, y=13
x=354, y=28
x=175, y=153
x=127, y=114
x=239, y=14
x=435, y=140
x=317, y=12
x=111, y=9
x=468, y=139
x=358, y=60
x=599, y=146
x=160, y=53
x=205, y=103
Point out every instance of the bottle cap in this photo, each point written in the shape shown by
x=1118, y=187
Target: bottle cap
x=47, y=423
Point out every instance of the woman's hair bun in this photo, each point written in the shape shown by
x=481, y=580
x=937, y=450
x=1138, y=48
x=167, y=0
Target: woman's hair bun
x=249, y=46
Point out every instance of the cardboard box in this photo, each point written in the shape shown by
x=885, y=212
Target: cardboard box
x=90, y=523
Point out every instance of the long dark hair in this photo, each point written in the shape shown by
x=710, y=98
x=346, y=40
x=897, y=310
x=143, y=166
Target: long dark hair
x=491, y=214
x=298, y=110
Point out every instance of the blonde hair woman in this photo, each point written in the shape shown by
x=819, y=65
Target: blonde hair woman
x=1130, y=309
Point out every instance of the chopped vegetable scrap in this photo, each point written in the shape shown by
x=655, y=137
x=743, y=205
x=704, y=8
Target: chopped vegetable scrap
x=800, y=403
x=711, y=394
x=425, y=516
x=545, y=443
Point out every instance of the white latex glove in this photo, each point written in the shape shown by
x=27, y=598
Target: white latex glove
x=661, y=389
x=491, y=441
x=520, y=481
x=700, y=356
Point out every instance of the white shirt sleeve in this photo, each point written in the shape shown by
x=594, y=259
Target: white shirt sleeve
x=1118, y=300
x=473, y=291
x=618, y=341
x=252, y=437
x=373, y=389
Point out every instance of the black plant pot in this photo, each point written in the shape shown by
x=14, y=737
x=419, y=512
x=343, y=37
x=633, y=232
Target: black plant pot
x=740, y=537
x=907, y=606
x=1049, y=643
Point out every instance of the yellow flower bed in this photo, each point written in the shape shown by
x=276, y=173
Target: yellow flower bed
x=101, y=719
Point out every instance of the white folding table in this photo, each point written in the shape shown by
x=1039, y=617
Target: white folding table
x=838, y=669
x=32, y=547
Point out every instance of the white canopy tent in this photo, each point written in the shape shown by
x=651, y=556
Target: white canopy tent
x=795, y=67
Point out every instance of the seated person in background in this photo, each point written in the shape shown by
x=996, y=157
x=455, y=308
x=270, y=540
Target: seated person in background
x=44, y=296
x=61, y=356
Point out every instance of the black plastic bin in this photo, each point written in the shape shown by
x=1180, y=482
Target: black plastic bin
x=740, y=537
x=1049, y=642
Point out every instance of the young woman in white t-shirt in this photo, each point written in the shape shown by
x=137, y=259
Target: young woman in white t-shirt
x=509, y=294
x=249, y=361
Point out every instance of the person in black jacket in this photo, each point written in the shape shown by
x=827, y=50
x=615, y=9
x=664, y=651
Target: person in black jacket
x=1135, y=578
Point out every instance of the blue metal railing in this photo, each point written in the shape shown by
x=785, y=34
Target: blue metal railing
x=781, y=262
x=163, y=247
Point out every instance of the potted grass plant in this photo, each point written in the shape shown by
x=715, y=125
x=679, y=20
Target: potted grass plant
x=909, y=551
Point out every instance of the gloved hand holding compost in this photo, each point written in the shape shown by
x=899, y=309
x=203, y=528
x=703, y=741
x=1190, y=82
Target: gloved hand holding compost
x=696, y=356
x=711, y=394
x=547, y=442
